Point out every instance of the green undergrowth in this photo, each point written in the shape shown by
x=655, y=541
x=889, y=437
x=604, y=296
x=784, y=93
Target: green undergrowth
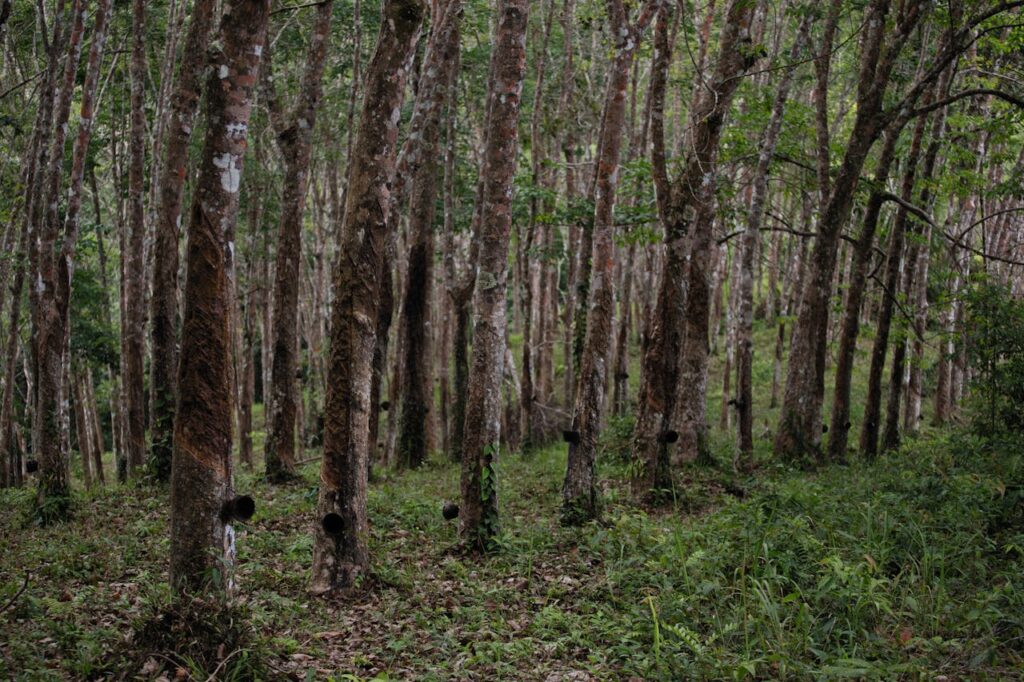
x=907, y=568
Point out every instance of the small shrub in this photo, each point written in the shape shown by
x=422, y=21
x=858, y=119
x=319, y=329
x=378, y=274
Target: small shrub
x=994, y=335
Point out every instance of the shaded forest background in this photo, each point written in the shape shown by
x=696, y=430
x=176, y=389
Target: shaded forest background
x=703, y=319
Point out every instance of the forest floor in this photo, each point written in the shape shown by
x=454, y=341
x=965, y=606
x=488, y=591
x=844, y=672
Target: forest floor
x=909, y=567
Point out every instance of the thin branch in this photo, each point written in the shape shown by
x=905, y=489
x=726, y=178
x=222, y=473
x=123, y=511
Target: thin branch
x=21, y=84
x=903, y=311
x=787, y=230
x=988, y=217
x=297, y=7
x=979, y=252
x=974, y=92
x=916, y=210
x=24, y=586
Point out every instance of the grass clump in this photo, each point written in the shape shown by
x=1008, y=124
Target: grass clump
x=196, y=636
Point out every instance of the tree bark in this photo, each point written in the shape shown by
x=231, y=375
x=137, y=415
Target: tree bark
x=528, y=379
x=424, y=162
x=97, y=430
x=33, y=172
x=244, y=377
x=690, y=216
x=579, y=490
x=894, y=270
x=202, y=538
x=164, y=304
x=5, y=14
x=49, y=334
x=478, y=518
x=379, y=368
x=915, y=388
x=620, y=391
x=839, y=428
x=64, y=267
x=745, y=354
x=340, y=537
x=295, y=139
x=135, y=290
x=652, y=478
x=799, y=432
x=83, y=437
x=566, y=111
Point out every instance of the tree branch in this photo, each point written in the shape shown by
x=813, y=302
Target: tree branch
x=916, y=210
x=296, y=7
x=974, y=92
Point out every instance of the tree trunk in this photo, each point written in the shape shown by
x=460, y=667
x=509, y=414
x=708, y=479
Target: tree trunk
x=652, y=478
x=164, y=310
x=692, y=209
x=478, y=518
x=460, y=360
x=35, y=164
x=949, y=322
x=379, y=367
x=83, y=436
x=892, y=287
x=295, y=139
x=566, y=109
x=340, y=552
x=799, y=432
x=727, y=272
x=919, y=298
x=48, y=328
x=97, y=430
x=529, y=377
x=202, y=538
x=244, y=378
x=135, y=290
x=840, y=422
x=385, y=314
x=745, y=350
x=5, y=14
x=881, y=47
x=620, y=395
x=424, y=161
x=449, y=272
x=579, y=491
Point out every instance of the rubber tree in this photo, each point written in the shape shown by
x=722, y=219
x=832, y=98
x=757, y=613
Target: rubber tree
x=170, y=193
x=478, y=518
x=49, y=332
x=341, y=531
x=294, y=132
x=579, y=490
x=202, y=538
x=422, y=164
x=667, y=396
